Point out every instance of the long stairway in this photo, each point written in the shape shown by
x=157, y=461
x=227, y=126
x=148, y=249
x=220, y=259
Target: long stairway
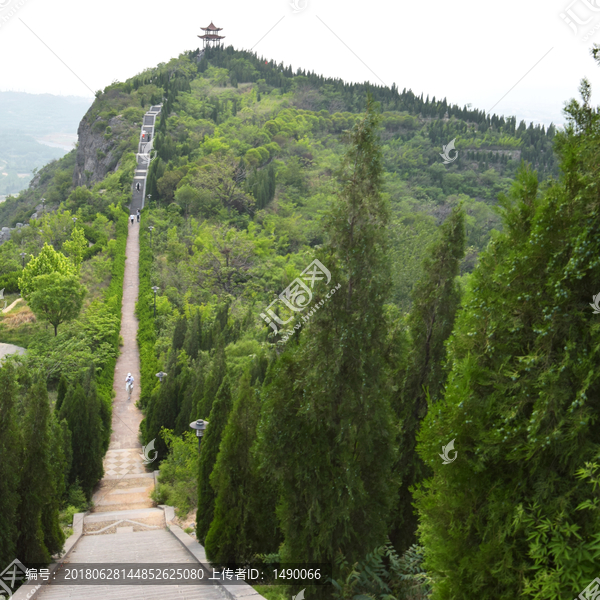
x=125, y=527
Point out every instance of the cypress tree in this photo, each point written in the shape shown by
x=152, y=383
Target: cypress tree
x=82, y=413
x=436, y=298
x=209, y=450
x=54, y=538
x=326, y=434
x=35, y=486
x=61, y=392
x=10, y=449
x=244, y=521
x=213, y=381
x=515, y=515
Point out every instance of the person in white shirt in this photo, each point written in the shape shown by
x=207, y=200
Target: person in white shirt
x=129, y=384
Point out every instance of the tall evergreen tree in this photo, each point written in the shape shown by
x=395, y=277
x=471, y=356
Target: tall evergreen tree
x=10, y=448
x=209, y=451
x=60, y=393
x=213, y=380
x=54, y=537
x=435, y=300
x=36, y=486
x=244, y=521
x=327, y=430
x=516, y=514
x=82, y=413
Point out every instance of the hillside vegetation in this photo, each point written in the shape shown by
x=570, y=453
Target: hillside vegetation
x=339, y=305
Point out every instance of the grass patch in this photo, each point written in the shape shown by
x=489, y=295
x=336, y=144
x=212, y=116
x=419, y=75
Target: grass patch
x=19, y=326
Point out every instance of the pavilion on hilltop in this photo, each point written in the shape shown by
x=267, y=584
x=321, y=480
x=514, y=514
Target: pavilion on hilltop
x=211, y=36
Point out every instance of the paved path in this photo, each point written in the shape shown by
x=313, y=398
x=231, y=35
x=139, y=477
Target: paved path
x=152, y=548
x=127, y=483
x=5, y=310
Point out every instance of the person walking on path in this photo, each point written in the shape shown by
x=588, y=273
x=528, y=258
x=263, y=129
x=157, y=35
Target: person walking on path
x=129, y=385
x=137, y=186
x=132, y=217
x=138, y=215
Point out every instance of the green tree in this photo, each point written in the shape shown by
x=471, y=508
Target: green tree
x=61, y=392
x=516, y=514
x=75, y=247
x=327, y=434
x=209, y=450
x=56, y=298
x=244, y=521
x=47, y=262
x=435, y=300
x=82, y=413
x=10, y=449
x=59, y=459
x=213, y=381
x=36, y=486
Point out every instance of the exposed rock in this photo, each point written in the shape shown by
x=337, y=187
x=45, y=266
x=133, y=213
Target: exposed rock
x=100, y=148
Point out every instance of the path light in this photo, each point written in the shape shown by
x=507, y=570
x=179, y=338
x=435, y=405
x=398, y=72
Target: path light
x=150, y=229
x=155, y=289
x=200, y=427
x=161, y=376
x=74, y=220
x=23, y=255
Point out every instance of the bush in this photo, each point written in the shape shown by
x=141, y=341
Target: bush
x=383, y=575
x=10, y=282
x=177, y=481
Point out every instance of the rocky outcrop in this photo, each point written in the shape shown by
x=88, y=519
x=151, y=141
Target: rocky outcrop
x=101, y=146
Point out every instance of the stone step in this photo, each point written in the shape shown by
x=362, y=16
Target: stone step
x=153, y=548
x=136, y=515
x=116, y=506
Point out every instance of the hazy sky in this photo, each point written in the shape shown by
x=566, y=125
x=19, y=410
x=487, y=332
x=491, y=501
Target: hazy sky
x=520, y=56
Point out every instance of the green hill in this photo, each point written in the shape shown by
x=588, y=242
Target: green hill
x=340, y=304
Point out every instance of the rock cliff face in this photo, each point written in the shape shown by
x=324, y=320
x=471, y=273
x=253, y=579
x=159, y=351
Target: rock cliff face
x=101, y=146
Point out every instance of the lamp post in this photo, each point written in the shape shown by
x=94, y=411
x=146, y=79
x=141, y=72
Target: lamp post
x=23, y=255
x=200, y=427
x=161, y=376
x=74, y=221
x=155, y=289
x=150, y=229
x=149, y=196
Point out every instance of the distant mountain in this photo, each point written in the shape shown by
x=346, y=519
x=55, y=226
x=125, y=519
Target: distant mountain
x=40, y=114
x=34, y=130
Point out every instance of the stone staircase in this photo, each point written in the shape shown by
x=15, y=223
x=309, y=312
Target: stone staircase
x=126, y=547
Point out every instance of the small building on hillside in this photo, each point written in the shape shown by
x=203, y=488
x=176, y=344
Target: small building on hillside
x=211, y=36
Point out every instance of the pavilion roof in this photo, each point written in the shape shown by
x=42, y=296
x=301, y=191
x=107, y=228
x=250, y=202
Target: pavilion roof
x=211, y=27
